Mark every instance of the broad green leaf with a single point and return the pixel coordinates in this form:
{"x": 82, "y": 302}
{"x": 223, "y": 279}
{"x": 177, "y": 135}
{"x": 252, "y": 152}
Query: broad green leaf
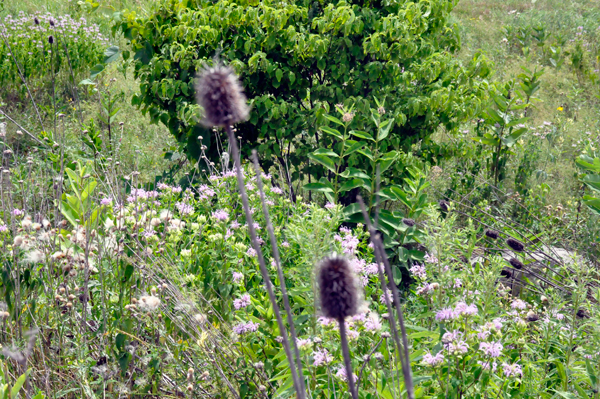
{"x": 384, "y": 129}
{"x": 513, "y": 137}
{"x": 111, "y": 54}
{"x": 333, "y": 132}
{"x": 351, "y": 184}
{"x": 353, "y": 172}
{"x": 335, "y": 120}
{"x": 592, "y": 202}
{"x": 18, "y": 385}
{"x": 588, "y": 163}
{"x": 591, "y": 374}
{"x": 96, "y": 70}
{"x": 362, "y": 135}
{"x": 321, "y": 187}
{"x": 325, "y": 151}
{"x": 324, "y": 160}
{"x": 366, "y": 152}
{"x": 352, "y": 147}
{"x": 592, "y": 181}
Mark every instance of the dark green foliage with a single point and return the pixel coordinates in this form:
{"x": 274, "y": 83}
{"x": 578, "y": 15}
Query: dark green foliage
{"x": 296, "y": 61}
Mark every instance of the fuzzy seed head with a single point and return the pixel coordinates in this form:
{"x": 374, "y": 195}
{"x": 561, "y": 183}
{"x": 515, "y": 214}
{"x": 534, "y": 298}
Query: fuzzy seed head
{"x": 338, "y": 286}
{"x": 444, "y": 205}
{"x": 515, "y": 245}
{"x": 531, "y": 316}
{"x": 408, "y": 222}
{"x": 51, "y": 39}
{"x": 517, "y": 264}
{"x": 493, "y": 234}
{"x": 506, "y": 273}
{"x": 219, "y": 92}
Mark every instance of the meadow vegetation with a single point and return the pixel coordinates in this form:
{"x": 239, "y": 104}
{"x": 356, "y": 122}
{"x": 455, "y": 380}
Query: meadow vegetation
{"x": 419, "y": 219}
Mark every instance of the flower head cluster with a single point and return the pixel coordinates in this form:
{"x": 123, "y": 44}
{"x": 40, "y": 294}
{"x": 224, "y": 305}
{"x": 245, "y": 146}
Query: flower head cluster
{"x": 419, "y": 271}
{"x": 184, "y": 208}
{"x": 341, "y": 374}
{"x": 321, "y": 356}
{"x": 429, "y": 258}
{"x": 491, "y": 349}
{"x": 518, "y": 304}
{"x": 465, "y": 310}
{"x": 237, "y": 277}
{"x": 348, "y": 240}
{"x": 221, "y": 215}
{"x": 433, "y": 360}
{"x": 303, "y": 343}
{"x": 512, "y": 370}
{"x": 242, "y": 302}
{"x": 243, "y": 328}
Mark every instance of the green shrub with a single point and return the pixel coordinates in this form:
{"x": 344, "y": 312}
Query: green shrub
{"x": 297, "y": 60}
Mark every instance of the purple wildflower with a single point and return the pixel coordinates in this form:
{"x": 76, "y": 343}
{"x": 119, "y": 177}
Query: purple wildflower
{"x": 341, "y": 374}
{"x": 518, "y": 304}
{"x": 243, "y": 328}
{"x": 184, "y": 208}
{"x": 237, "y": 277}
{"x": 105, "y": 201}
{"x": 251, "y": 252}
{"x": 242, "y": 302}
{"x": 321, "y": 357}
{"x": 419, "y": 271}
{"x": 221, "y": 214}
{"x": 445, "y": 314}
{"x": 431, "y": 360}
{"x": 492, "y": 349}
{"x": 458, "y": 347}
{"x": 466, "y": 310}
{"x": 512, "y": 370}
{"x": 276, "y": 190}
{"x": 329, "y": 205}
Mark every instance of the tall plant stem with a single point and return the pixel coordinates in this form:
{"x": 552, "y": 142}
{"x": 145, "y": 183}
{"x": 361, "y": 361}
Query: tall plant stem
{"x": 347, "y": 360}
{"x": 275, "y": 249}
{"x": 381, "y": 258}
{"x": 235, "y": 154}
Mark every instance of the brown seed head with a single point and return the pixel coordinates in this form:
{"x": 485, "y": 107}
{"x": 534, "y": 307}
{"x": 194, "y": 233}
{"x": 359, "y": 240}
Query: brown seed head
{"x": 338, "y": 288}
{"x": 516, "y": 246}
{"x": 219, "y": 92}
{"x": 514, "y": 262}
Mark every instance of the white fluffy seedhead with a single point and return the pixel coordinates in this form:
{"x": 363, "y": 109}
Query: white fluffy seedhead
{"x": 219, "y": 92}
